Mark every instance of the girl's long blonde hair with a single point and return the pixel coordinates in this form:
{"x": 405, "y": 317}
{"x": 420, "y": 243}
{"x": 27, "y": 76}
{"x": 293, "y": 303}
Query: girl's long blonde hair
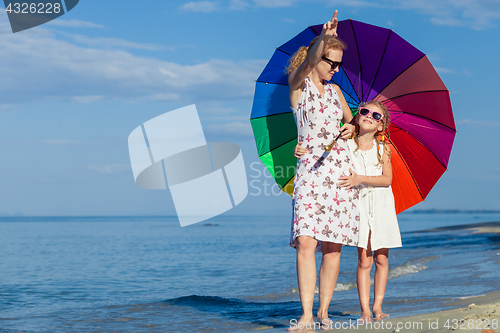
{"x": 332, "y": 43}
{"x": 384, "y": 133}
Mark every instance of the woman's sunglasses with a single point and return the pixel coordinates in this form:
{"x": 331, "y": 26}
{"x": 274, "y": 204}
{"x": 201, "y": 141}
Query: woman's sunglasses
{"x": 333, "y": 64}
{"x": 377, "y": 116}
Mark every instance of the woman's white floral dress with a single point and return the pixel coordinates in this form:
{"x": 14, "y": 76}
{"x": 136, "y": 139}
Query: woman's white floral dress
{"x": 322, "y": 210}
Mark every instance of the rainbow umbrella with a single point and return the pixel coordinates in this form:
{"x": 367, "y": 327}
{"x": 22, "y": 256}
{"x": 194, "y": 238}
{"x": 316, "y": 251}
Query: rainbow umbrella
{"x": 378, "y": 65}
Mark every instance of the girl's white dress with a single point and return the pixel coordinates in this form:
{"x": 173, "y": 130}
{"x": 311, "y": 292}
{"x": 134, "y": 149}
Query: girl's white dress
{"x": 377, "y": 209}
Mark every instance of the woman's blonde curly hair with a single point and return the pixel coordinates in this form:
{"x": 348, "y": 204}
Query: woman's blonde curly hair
{"x": 332, "y": 43}
{"x": 384, "y": 133}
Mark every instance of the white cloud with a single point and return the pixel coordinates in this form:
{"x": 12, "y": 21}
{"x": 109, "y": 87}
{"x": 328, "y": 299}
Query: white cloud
{"x": 476, "y": 14}
{"x": 110, "y": 169}
{"x": 362, "y": 4}
{"x": 75, "y": 24}
{"x": 41, "y": 67}
{"x": 238, "y": 5}
{"x": 5, "y": 107}
{"x": 442, "y": 70}
{"x": 242, "y": 128}
{"x": 471, "y": 122}
{"x": 200, "y": 6}
{"x": 162, "y": 97}
{"x": 114, "y": 42}
{"x": 88, "y": 99}
{"x": 450, "y": 21}
{"x": 60, "y": 142}
{"x": 273, "y": 3}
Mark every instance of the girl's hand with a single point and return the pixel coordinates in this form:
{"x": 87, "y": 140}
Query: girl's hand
{"x": 298, "y": 151}
{"x": 330, "y": 27}
{"x": 347, "y": 130}
{"x": 350, "y": 181}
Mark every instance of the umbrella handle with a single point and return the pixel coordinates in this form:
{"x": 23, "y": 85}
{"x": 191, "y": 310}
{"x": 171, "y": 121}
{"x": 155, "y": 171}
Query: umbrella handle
{"x": 334, "y": 142}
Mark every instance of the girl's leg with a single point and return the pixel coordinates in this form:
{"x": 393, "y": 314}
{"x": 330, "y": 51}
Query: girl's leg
{"x": 365, "y": 261}
{"x": 381, "y": 274}
{"x": 328, "y": 273}
{"x": 306, "y": 277}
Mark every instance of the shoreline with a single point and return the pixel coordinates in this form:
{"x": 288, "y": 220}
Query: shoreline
{"x": 473, "y": 315}
{"x": 480, "y": 228}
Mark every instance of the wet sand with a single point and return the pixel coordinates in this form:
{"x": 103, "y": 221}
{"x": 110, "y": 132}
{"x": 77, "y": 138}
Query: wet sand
{"x": 475, "y": 314}
{"x": 478, "y": 228}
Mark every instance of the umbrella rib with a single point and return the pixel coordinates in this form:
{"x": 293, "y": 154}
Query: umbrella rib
{"x": 417, "y": 115}
{"x": 359, "y": 59}
{"x": 284, "y": 143}
{"x": 287, "y": 182}
{"x": 271, "y": 115}
{"x": 388, "y": 84}
{"x": 381, "y": 59}
{"x": 406, "y": 165}
{"x": 415, "y": 92}
{"x": 356, "y": 99}
{"x": 421, "y": 143}
{"x": 350, "y": 82}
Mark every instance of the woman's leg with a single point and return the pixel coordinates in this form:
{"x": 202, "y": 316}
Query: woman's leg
{"x": 381, "y": 274}
{"x": 328, "y": 273}
{"x": 306, "y": 277}
{"x": 365, "y": 261}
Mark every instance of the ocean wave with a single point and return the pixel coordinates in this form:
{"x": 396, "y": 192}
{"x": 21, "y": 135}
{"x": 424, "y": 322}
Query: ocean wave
{"x": 255, "y": 312}
{"x": 196, "y": 300}
{"x": 405, "y": 269}
{"x": 410, "y": 267}
{"x": 338, "y": 287}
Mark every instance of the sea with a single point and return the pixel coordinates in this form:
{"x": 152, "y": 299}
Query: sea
{"x": 226, "y": 274}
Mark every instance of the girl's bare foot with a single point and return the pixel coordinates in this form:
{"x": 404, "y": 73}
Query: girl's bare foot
{"x": 365, "y": 318}
{"x": 305, "y": 323}
{"x": 379, "y": 315}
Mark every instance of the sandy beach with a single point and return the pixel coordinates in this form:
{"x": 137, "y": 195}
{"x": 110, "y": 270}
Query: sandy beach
{"x": 472, "y": 314}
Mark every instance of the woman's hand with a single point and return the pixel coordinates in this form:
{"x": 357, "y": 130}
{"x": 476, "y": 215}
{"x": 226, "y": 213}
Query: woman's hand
{"x": 350, "y": 181}
{"x": 330, "y": 27}
{"x": 298, "y": 151}
{"x": 347, "y": 131}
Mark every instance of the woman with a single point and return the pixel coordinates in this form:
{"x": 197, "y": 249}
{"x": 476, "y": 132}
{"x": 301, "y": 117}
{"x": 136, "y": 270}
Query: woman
{"x": 325, "y": 216}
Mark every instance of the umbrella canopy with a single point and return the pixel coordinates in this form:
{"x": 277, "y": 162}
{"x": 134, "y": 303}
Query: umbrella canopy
{"x": 378, "y": 65}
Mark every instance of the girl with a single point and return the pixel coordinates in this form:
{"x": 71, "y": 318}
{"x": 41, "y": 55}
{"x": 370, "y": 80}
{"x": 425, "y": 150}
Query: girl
{"x": 325, "y": 217}
{"x": 378, "y": 228}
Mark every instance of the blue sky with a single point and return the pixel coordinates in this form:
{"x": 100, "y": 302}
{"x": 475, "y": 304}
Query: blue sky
{"x": 72, "y": 90}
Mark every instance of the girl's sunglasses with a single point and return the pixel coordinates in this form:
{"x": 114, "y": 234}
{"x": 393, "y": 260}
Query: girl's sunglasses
{"x": 333, "y": 64}
{"x": 377, "y": 116}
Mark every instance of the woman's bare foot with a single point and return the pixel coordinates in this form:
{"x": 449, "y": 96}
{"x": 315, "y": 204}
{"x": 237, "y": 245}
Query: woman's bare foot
{"x": 365, "y": 318}
{"x": 379, "y": 315}
{"x": 323, "y": 320}
{"x": 304, "y": 323}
